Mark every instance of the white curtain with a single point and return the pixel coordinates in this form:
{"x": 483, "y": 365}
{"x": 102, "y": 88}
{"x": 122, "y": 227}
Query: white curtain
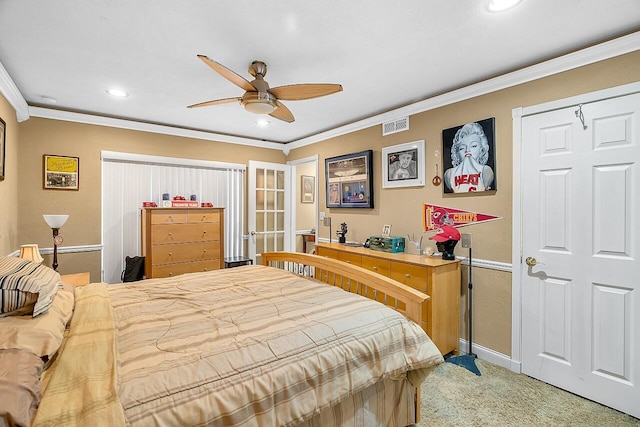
{"x": 129, "y": 179}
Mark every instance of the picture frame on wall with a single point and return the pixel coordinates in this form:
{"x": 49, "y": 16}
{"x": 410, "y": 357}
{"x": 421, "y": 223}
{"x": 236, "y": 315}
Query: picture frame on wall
{"x": 469, "y": 162}
{"x": 308, "y": 185}
{"x": 60, "y": 172}
{"x": 3, "y": 143}
{"x": 349, "y": 180}
{"x": 403, "y": 165}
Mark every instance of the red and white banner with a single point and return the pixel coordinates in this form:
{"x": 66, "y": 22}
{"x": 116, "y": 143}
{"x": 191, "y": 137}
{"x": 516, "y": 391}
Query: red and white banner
{"x": 435, "y": 216}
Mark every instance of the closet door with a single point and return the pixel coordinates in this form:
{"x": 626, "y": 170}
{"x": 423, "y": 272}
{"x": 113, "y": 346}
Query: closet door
{"x": 581, "y": 243}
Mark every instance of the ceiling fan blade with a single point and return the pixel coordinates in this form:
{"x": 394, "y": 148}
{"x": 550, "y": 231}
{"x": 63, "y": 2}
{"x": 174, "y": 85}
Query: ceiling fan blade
{"x": 282, "y": 113}
{"x": 214, "y": 102}
{"x": 304, "y": 91}
{"x": 228, "y": 74}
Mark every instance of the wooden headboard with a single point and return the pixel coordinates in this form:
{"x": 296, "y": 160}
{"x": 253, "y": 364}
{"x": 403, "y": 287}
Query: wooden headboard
{"x": 352, "y": 278}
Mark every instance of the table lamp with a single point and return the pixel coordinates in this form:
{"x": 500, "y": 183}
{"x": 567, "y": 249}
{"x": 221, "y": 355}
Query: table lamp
{"x": 56, "y": 222}
{"x": 31, "y": 252}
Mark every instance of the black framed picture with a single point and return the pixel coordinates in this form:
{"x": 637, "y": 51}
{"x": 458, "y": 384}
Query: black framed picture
{"x": 3, "y": 132}
{"x": 350, "y": 180}
{"x": 469, "y": 157}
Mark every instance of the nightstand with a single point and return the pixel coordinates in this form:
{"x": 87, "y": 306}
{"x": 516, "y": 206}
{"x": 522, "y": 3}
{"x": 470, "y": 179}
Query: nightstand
{"x": 76, "y": 279}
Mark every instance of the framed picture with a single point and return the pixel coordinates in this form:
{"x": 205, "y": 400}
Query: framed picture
{"x": 469, "y": 157}
{"x": 403, "y": 165}
{"x": 350, "y": 180}
{"x": 3, "y": 143}
{"x": 386, "y": 230}
{"x": 308, "y": 189}
{"x": 60, "y": 172}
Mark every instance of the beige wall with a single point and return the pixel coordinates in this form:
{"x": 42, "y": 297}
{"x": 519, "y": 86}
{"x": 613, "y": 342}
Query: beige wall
{"x": 9, "y": 241}
{"x": 44, "y": 136}
{"x": 402, "y": 208}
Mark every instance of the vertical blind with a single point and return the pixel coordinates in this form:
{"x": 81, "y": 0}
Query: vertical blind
{"x": 128, "y": 180}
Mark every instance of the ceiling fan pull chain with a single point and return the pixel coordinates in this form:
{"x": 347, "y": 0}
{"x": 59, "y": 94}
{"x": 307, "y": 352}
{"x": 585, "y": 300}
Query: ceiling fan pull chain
{"x": 580, "y": 115}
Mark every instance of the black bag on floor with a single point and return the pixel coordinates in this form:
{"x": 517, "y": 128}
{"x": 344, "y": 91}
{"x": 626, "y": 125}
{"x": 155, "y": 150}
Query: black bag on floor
{"x": 133, "y": 269}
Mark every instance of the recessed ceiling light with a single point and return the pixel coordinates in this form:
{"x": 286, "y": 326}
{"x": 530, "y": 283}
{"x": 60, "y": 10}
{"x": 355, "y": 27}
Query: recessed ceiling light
{"x": 502, "y": 5}
{"x": 263, "y": 122}
{"x": 117, "y": 92}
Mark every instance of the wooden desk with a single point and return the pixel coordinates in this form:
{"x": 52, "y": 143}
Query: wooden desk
{"x": 434, "y": 276}
{"x": 307, "y": 238}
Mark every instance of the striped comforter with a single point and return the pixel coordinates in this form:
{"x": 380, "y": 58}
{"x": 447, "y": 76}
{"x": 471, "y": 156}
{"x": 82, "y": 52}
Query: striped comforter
{"x": 253, "y": 346}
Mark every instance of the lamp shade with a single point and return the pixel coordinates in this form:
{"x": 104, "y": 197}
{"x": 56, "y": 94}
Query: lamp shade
{"x": 55, "y": 221}
{"x": 31, "y": 252}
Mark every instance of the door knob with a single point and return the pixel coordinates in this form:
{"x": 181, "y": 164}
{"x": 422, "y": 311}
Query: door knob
{"x": 253, "y": 233}
{"x": 531, "y": 261}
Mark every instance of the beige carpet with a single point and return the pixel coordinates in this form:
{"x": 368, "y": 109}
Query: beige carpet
{"x": 453, "y": 396}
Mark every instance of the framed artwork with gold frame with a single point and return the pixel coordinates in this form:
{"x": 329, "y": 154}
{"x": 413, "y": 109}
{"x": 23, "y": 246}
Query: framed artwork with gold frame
{"x": 60, "y": 172}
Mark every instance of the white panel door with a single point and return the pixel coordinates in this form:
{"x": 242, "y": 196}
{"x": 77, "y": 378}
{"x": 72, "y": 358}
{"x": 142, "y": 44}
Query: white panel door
{"x": 269, "y": 209}
{"x": 580, "y": 289}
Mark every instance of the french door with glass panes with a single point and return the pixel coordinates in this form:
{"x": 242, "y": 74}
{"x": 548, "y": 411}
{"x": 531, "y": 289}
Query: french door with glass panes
{"x": 268, "y": 204}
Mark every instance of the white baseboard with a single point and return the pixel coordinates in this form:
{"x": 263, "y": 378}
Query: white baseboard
{"x": 492, "y": 356}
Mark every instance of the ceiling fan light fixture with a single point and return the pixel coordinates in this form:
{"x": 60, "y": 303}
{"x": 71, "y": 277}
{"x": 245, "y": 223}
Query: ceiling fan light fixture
{"x": 259, "y": 102}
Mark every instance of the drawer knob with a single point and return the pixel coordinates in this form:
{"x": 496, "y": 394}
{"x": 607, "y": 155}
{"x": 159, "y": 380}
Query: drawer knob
{"x": 407, "y": 275}
{"x": 205, "y": 231}
{"x": 170, "y": 234}
{"x": 205, "y": 269}
{"x": 348, "y": 262}
{"x": 375, "y": 267}
{"x": 170, "y": 253}
{"x": 205, "y": 251}
{"x": 170, "y": 274}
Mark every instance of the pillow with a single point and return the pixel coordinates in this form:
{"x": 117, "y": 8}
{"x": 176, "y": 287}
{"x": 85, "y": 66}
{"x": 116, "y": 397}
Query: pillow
{"x": 41, "y": 335}
{"x": 24, "y": 282}
{"x": 19, "y": 386}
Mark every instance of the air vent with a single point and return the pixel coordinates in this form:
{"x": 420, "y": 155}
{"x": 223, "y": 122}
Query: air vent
{"x": 394, "y": 126}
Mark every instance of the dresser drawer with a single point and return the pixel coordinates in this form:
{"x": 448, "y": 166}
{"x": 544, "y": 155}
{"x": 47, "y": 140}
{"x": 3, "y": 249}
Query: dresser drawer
{"x": 411, "y": 275}
{"x": 183, "y": 233}
{"x": 378, "y": 265}
{"x": 172, "y": 217}
{"x": 183, "y": 252}
{"x": 350, "y": 258}
{"x": 326, "y": 252}
{"x": 195, "y": 217}
{"x": 169, "y": 270}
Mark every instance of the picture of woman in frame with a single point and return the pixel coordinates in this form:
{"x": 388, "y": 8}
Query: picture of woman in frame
{"x": 470, "y": 169}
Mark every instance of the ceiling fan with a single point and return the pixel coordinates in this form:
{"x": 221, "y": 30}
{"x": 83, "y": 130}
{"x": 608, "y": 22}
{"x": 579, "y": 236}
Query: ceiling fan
{"x": 259, "y": 98}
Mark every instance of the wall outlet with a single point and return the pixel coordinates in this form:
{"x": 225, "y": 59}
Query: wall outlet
{"x": 466, "y": 240}
{"x": 321, "y": 216}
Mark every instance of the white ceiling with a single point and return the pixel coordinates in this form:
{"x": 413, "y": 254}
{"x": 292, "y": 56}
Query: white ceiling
{"x": 385, "y": 54}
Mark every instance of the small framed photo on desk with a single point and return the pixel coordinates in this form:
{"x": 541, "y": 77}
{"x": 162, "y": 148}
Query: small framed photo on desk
{"x": 386, "y": 230}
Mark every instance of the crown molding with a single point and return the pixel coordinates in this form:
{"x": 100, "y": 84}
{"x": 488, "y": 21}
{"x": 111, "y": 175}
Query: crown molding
{"x": 590, "y": 55}
{"x": 48, "y": 113}
{"x": 11, "y": 93}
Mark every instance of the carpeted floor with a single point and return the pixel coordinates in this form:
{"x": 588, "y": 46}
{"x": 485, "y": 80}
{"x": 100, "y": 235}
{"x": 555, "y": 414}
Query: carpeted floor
{"x": 453, "y": 396}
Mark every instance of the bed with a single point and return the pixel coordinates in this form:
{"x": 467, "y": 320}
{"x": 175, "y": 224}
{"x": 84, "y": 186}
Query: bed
{"x": 291, "y": 342}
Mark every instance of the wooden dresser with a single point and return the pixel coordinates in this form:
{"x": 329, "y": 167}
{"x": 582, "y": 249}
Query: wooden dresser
{"x": 179, "y": 240}
{"x": 434, "y": 276}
